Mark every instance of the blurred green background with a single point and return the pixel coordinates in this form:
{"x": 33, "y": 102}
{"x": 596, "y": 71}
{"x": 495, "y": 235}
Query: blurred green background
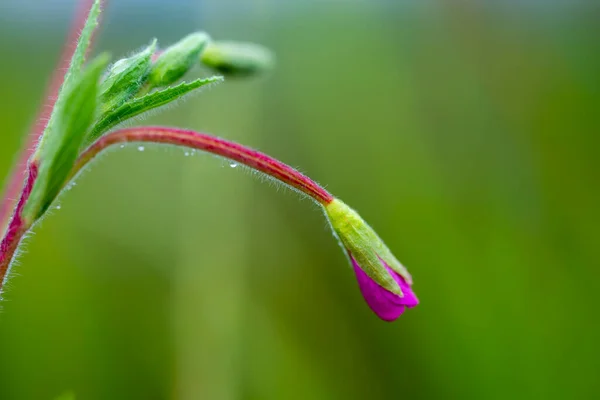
{"x": 467, "y": 133}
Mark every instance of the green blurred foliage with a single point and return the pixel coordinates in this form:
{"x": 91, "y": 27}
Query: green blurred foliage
{"x": 466, "y": 134}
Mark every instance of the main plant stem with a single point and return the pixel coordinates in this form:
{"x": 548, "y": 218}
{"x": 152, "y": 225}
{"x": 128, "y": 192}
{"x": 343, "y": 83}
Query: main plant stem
{"x": 18, "y": 226}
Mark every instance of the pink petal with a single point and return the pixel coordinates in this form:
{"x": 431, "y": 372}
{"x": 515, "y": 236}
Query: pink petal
{"x": 387, "y": 305}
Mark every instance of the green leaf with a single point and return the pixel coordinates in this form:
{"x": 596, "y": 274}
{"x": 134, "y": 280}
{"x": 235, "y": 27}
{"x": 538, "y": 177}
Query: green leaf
{"x": 177, "y": 59}
{"x": 237, "y": 58}
{"x": 75, "y": 66}
{"x": 148, "y": 102}
{"x": 125, "y": 78}
{"x": 84, "y": 41}
{"x": 64, "y": 139}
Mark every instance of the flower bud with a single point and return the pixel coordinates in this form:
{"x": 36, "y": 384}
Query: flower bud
{"x": 178, "y": 59}
{"x": 125, "y": 78}
{"x": 237, "y": 58}
{"x": 384, "y": 282}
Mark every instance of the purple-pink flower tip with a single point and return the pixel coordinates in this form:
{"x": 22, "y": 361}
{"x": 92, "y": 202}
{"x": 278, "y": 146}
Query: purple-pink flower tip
{"x": 387, "y": 305}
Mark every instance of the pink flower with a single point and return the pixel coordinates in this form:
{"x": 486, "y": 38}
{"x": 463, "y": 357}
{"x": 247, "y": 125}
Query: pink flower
{"x": 387, "y": 305}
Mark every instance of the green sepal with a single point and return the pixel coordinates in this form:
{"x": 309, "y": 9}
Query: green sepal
{"x": 125, "y": 78}
{"x": 361, "y": 241}
{"x": 237, "y": 58}
{"x": 177, "y": 59}
{"x": 63, "y": 139}
{"x": 77, "y": 61}
{"x": 145, "y": 103}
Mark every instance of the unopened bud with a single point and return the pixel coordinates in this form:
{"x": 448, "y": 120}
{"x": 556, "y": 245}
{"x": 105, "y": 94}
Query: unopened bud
{"x": 178, "y": 59}
{"x": 125, "y": 78}
{"x": 383, "y": 280}
{"x": 237, "y": 58}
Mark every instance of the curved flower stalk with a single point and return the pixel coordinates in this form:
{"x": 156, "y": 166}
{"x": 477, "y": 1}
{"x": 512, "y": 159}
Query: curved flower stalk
{"x": 94, "y": 99}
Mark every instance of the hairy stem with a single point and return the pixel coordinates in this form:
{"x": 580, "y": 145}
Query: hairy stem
{"x": 17, "y": 227}
{"x": 14, "y": 184}
{"x": 211, "y": 144}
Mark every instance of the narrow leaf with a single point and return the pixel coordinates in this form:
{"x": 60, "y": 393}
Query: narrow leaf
{"x": 84, "y": 41}
{"x": 148, "y": 102}
{"x": 75, "y": 66}
{"x": 60, "y": 151}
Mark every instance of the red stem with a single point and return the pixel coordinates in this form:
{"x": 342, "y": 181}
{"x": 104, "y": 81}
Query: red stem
{"x": 17, "y": 227}
{"x": 15, "y": 182}
{"x": 210, "y": 144}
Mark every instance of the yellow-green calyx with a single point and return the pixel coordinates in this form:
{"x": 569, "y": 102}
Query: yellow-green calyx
{"x": 363, "y": 244}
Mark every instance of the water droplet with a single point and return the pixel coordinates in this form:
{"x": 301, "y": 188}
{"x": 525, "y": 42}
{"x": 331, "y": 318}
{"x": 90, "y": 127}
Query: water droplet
{"x": 122, "y": 146}
{"x": 233, "y": 165}
{"x": 58, "y": 207}
{"x": 141, "y": 148}
{"x": 187, "y": 153}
